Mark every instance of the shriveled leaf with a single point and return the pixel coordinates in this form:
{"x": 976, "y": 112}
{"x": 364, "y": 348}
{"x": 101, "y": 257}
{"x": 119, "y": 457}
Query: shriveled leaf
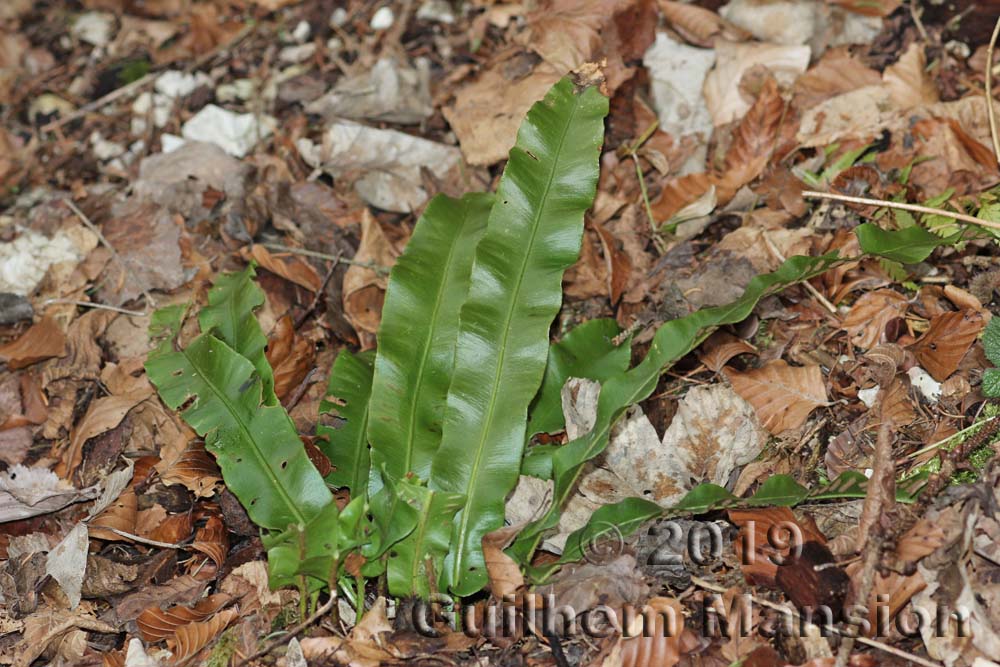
{"x": 698, "y": 25}
{"x": 416, "y": 340}
{"x": 189, "y": 639}
{"x": 720, "y": 348}
{"x": 156, "y": 624}
{"x": 67, "y": 563}
{"x": 212, "y": 540}
{"x": 289, "y": 355}
{"x": 946, "y": 341}
{"x": 866, "y": 321}
{"x": 27, "y": 492}
{"x": 291, "y": 268}
{"x": 782, "y": 395}
{"x": 347, "y": 394}
{"x": 43, "y": 340}
{"x": 588, "y": 351}
{"x": 515, "y": 290}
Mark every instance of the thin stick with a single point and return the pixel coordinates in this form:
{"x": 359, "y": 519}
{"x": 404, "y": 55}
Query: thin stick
{"x": 805, "y": 283}
{"x": 130, "y": 89}
{"x": 114, "y": 253}
{"x": 874, "y": 643}
{"x": 378, "y": 268}
{"x": 935, "y": 445}
{"x": 916, "y": 208}
{"x": 990, "y": 111}
{"x": 90, "y": 304}
{"x": 143, "y": 540}
{"x": 297, "y": 630}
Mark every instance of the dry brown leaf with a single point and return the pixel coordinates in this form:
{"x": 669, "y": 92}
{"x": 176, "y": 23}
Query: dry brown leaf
{"x": 290, "y": 355}
{"x": 907, "y": 80}
{"x": 189, "y": 639}
{"x": 772, "y": 532}
{"x": 659, "y": 646}
{"x": 44, "y": 629}
{"x": 212, "y": 540}
{"x": 504, "y": 573}
{"x": 698, "y": 25}
{"x": 179, "y": 590}
{"x": 722, "y": 85}
{"x": 619, "y": 266}
{"x": 678, "y": 193}
{"x": 43, "y": 340}
{"x": 156, "y": 624}
{"x": 836, "y": 73}
{"x": 155, "y": 524}
{"x": 364, "y": 647}
{"x": 720, "y": 348}
{"x": 290, "y": 267}
{"x": 195, "y": 469}
{"x": 753, "y": 141}
{"x": 866, "y": 321}
{"x": 120, "y": 515}
{"x": 782, "y": 395}
{"x": 103, "y": 415}
{"x": 364, "y": 288}
{"x": 949, "y": 337}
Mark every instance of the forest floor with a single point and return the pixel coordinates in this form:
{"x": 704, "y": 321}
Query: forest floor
{"x": 146, "y": 146}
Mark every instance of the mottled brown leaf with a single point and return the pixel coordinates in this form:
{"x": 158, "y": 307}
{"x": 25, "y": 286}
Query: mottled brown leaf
{"x": 290, "y": 355}
{"x": 782, "y": 395}
{"x": 43, "y": 340}
{"x": 866, "y": 321}
{"x": 720, "y": 348}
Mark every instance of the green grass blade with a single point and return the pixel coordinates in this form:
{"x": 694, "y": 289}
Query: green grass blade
{"x": 416, "y": 339}
{"x": 533, "y": 235}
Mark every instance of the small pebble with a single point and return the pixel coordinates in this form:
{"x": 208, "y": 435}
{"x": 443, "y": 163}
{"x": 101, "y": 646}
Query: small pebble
{"x": 382, "y": 19}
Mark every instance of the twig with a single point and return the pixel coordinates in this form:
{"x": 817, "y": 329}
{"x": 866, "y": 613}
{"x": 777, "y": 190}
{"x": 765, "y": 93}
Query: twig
{"x": 805, "y": 283}
{"x": 300, "y": 320}
{"x": 131, "y": 88}
{"x": 297, "y": 630}
{"x": 935, "y": 445}
{"x": 916, "y": 208}
{"x": 785, "y": 609}
{"x": 143, "y": 540}
{"x": 990, "y": 111}
{"x": 378, "y": 268}
{"x": 90, "y": 304}
{"x": 114, "y": 253}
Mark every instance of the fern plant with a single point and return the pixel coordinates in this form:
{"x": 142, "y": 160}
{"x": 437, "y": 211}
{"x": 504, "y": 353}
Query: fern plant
{"x": 435, "y": 421}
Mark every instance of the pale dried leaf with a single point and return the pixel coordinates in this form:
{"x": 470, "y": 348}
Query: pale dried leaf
{"x": 865, "y": 322}
{"x": 26, "y": 492}
{"x": 722, "y": 85}
{"x": 907, "y": 79}
{"x": 782, "y": 395}
{"x": 67, "y": 563}
{"x": 949, "y": 337}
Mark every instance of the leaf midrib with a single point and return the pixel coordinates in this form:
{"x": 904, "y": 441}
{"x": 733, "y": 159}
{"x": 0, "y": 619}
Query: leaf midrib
{"x": 206, "y": 379}
{"x": 515, "y": 293}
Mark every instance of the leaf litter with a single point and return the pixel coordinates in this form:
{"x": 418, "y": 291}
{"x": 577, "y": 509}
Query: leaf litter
{"x": 308, "y": 142}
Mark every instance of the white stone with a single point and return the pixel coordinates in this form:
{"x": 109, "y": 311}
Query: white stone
{"x": 382, "y": 19}
{"x": 296, "y": 54}
{"x": 174, "y": 83}
{"x": 94, "y": 28}
{"x": 301, "y": 32}
{"x": 436, "y": 10}
{"x": 867, "y": 396}
{"x": 234, "y": 133}
{"x": 925, "y": 384}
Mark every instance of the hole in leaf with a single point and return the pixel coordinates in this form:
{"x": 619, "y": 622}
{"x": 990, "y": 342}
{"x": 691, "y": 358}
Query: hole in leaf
{"x": 284, "y": 464}
{"x": 393, "y": 554}
{"x": 253, "y": 502}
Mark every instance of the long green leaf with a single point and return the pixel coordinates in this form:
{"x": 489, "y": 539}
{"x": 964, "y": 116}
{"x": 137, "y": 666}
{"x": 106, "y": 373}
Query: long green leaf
{"x": 533, "y": 235}
{"x": 416, "y": 339}
{"x": 230, "y": 315}
{"x": 347, "y": 393}
{"x": 672, "y": 341}
{"x": 258, "y": 450}
{"x": 587, "y": 351}
{"x": 907, "y": 246}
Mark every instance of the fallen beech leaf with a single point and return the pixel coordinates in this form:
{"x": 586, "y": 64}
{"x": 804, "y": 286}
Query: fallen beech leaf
{"x": 753, "y": 141}
{"x": 907, "y": 79}
{"x": 212, "y": 540}
{"x": 43, "y": 340}
{"x": 678, "y": 193}
{"x": 782, "y": 395}
{"x": 179, "y": 590}
{"x": 156, "y": 624}
{"x": 290, "y": 355}
{"x": 720, "y": 348}
{"x": 67, "y": 563}
{"x": 195, "y": 469}
{"x": 659, "y": 646}
{"x": 865, "y": 322}
{"x": 504, "y": 573}
{"x": 290, "y": 267}
{"x": 946, "y": 341}
{"x": 836, "y": 73}
{"x": 43, "y": 628}
{"x": 103, "y": 415}
{"x": 364, "y": 288}
{"x": 698, "y": 25}
{"x": 120, "y": 515}
{"x": 189, "y": 639}
{"x": 722, "y": 85}
{"x": 771, "y": 533}
{"x": 619, "y": 267}
{"x": 155, "y": 524}
{"x": 26, "y": 492}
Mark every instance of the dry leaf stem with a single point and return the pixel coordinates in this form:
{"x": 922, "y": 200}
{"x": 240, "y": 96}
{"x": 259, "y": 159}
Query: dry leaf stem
{"x": 788, "y": 609}
{"x": 916, "y": 208}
